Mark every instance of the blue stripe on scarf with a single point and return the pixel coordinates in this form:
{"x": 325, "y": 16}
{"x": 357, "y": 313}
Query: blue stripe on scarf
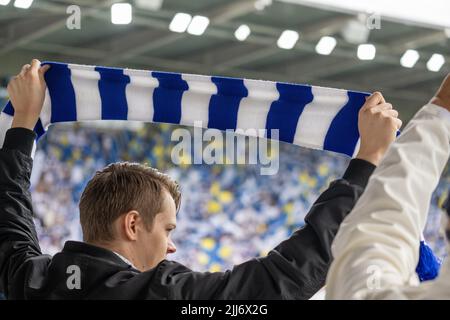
{"x": 285, "y": 112}
{"x": 62, "y": 94}
{"x": 224, "y": 106}
{"x": 39, "y": 129}
{"x": 343, "y": 134}
{"x": 112, "y": 86}
{"x": 167, "y": 97}
{"x": 9, "y": 109}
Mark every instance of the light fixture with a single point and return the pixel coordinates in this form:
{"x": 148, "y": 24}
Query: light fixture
{"x": 242, "y": 32}
{"x": 153, "y": 5}
{"x": 366, "y": 51}
{"x": 409, "y": 58}
{"x": 198, "y": 25}
{"x": 326, "y": 45}
{"x": 288, "y": 39}
{"x": 355, "y": 31}
{"x": 121, "y": 13}
{"x": 436, "y": 62}
{"x": 4, "y": 2}
{"x": 180, "y": 22}
{"x": 23, "y": 4}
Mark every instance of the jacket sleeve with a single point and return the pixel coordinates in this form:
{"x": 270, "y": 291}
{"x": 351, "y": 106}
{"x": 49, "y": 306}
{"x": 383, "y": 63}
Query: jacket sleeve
{"x": 295, "y": 269}
{"x": 376, "y": 250}
{"x": 18, "y": 239}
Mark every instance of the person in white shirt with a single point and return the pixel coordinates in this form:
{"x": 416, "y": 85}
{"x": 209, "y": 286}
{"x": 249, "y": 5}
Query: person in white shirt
{"x": 376, "y": 249}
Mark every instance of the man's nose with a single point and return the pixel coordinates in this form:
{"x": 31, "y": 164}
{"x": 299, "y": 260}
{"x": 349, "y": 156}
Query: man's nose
{"x": 171, "y": 248}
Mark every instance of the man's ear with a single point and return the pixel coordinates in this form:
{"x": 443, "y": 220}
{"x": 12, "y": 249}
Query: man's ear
{"x": 130, "y": 221}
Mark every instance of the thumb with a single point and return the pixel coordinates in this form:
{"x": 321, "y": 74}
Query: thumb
{"x": 43, "y": 70}
{"x": 375, "y": 99}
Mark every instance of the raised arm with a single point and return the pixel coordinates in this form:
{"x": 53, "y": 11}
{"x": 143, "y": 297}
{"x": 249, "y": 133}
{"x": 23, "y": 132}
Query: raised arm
{"x": 296, "y": 269}
{"x": 18, "y": 239}
{"x": 377, "y": 249}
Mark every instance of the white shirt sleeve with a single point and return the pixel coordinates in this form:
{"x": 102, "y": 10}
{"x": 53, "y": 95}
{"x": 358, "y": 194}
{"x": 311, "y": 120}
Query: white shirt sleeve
{"x": 376, "y": 250}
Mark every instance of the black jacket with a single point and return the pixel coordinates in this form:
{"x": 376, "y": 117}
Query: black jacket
{"x": 295, "y": 269}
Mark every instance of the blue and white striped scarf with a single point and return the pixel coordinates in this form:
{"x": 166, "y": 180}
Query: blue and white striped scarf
{"x": 308, "y": 116}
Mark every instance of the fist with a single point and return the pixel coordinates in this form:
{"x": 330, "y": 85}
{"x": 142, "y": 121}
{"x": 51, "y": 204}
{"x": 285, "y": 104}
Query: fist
{"x": 378, "y": 123}
{"x": 27, "y": 92}
{"x": 442, "y": 96}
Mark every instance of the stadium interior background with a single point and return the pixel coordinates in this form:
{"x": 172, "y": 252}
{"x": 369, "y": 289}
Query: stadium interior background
{"x": 229, "y": 213}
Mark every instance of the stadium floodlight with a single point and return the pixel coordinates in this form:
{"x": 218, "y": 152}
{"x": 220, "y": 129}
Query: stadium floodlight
{"x": 409, "y": 58}
{"x": 23, "y": 4}
{"x": 153, "y": 5}
{"x": 326, "y": 45}
{"x": 242, "y": 32}
{"x": 366, "y": 51}
{"x": 180, "y": 22}
{"x": 436, "y": 62}
{"x": 355, "y": 31}
{"x": 121, "y": 13}
{"x": 198, "y": 25}
{"x": 288, "y": 39}
{"x": 4, "y": 2}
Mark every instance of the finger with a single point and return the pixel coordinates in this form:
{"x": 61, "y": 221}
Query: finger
{"x": 43, "y": 69}
{"x": 391, "y": 113}
{"x": 380, "y": 108}
{"x": 384, "y": 106}
{"x": 398, "y": 123}
{"x": 375, "y": 99}
{"x": 35, "y": 65}
{"x": 24, "y": 69}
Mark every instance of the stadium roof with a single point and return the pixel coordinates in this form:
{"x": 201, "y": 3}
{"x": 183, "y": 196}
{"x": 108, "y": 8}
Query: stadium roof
{"x": 147, "y": 43}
